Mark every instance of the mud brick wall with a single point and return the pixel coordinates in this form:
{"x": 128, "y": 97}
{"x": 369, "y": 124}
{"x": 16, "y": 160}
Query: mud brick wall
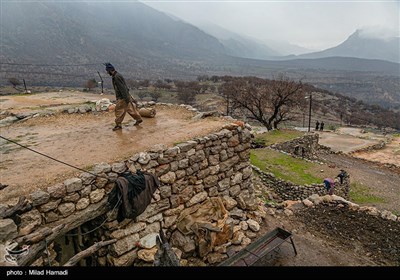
{"x": 290, "y": 191}
{"x": 190, "y": 173}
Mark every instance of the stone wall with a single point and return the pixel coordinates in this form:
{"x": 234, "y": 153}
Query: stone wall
{"x": 190, "y": 173}
{"x": 290, "y": 191}
{"x": 305, "y": 146}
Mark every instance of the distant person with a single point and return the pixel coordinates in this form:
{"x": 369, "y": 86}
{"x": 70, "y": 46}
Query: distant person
{"x": 329, "y": 185}
{"x": 342, "y": 175}
{"x": 125, "y": 102}
{"x": 317, "y": 125}
{"x": 322, "y": 126}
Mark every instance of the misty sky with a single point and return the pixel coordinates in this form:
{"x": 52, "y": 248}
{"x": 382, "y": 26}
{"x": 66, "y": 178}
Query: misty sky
{"x": 311, "y": 24}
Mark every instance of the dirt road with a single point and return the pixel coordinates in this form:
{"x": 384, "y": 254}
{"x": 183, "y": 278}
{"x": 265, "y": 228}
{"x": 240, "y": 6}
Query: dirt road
{"x": 344, "y": 143}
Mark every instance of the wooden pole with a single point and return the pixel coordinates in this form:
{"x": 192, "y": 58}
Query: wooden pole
{"x": 26, "y": 91}
{"x": 89, "y": 251}
{"x": 101, "y": 81}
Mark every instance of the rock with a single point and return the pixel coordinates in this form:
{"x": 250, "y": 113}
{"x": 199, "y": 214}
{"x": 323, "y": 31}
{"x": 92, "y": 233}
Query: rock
{"x": 288, "y": 212}
{"x": 307, "y": 203}
{"x": 158, "y": 217}
{"x": 244, "y": 225}
{"x": 147, "y": 255}
{"x": 253, "y": 225}
{"x": 124, "y": 245}
{"x": 73, "y": 184}
{"x": 234, "y": 191}
{"x": 148, "y": 241}
{"x": 184, "y": 243}
{"x": 237, "y": 214}
{"x": 96, "y": 195}
{"x": 73, "y": 197}
{"x": 246, "y": 241}
{"x": 129, "y": 230}
{"x": 169, "y": 221}
{"x": 168, "y": 178}
{"x": 29, "y": 222}
{"x": 126, "y": 259}
{"x": 237, "y": 237}
{"x": 82, "y": 203}
{"x": 144, "y": 158}
{"x": 39, "y": 198}
{"x": 200, "y": 197}
{"x": 57, "y": 191}
{"x": 251, "y": 234}
{"x": 165, "y": 191}
{"x": 216, "y": 258}
{"x": 66, "y": 209}
{"x": 49, "y": 206}
{"x": 8, "y": 230}
{"x": 229, "y": 202}
{"x": 51, "y": 217}
{"x": 119, "y": 167}
{"x": 151, "y": 228}
{"x": 101, "y": 168}
{"x": 174, "y": 211}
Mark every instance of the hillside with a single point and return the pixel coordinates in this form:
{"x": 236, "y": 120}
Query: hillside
{"x": 65, "y": 43}
{"x": 360, "y": 45}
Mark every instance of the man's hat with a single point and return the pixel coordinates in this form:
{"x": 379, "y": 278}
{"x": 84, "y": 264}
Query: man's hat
{"x": 109, "y": 66}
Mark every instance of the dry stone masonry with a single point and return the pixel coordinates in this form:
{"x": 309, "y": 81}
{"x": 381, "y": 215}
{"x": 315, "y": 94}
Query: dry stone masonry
{"x": 290, "y": 191}
{"x": 214, "y": 168}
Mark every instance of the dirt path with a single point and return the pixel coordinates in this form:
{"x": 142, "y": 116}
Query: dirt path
{"x": 380, "y": 181}
{"x": 344, "y": 143}
{"x": 84, "y": 140}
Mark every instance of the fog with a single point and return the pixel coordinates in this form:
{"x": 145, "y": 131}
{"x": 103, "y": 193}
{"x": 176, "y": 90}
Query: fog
{"x": 314, "y": 25}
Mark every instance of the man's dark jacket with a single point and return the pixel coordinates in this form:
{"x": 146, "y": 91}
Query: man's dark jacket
{"x": 120, "y": 87}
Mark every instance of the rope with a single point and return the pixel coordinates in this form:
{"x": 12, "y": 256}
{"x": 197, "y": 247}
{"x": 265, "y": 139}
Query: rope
{"x": 32, "y": 150}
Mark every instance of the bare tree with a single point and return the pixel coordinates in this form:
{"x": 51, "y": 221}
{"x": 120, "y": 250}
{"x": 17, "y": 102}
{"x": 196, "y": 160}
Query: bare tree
{"x": 155, "y": 95}
{"x": 91, "y": 83}
{"x": 270, "y": 102}
{"x": 187, "y": 91}
{"x": 14, "y": 81}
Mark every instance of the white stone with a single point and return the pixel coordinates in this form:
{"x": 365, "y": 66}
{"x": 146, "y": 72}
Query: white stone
{"x": 307, "y": 203}
{"x": 253, "y": 225}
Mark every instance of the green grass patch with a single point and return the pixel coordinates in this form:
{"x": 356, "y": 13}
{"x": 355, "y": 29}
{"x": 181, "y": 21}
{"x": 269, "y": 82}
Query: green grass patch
{"x": 361, "y": 194}
{"x": 286, "y": 167}
{"x": 278, "y": 136}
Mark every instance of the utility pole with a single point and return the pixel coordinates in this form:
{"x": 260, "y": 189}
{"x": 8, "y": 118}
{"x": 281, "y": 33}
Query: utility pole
{"x": 341, "y": 118}
{"x": 304, "y": 118}
{"x": 101, "y": 81}
{"x": 309, "y": 113}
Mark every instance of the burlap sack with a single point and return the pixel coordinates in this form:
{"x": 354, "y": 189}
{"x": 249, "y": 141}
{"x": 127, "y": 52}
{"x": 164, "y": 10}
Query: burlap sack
{"x": 147, "y": 112}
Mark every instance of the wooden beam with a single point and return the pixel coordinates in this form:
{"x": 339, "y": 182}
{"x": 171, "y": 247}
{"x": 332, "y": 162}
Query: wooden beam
{"x": 63, "y": 226}
{"x": 34, "y": 237}
{"x": 21, "y": 206}
{"x": 89, "y": 251}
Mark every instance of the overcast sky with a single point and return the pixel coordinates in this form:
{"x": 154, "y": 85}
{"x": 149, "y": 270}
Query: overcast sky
{"x": 312, "y": 24}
